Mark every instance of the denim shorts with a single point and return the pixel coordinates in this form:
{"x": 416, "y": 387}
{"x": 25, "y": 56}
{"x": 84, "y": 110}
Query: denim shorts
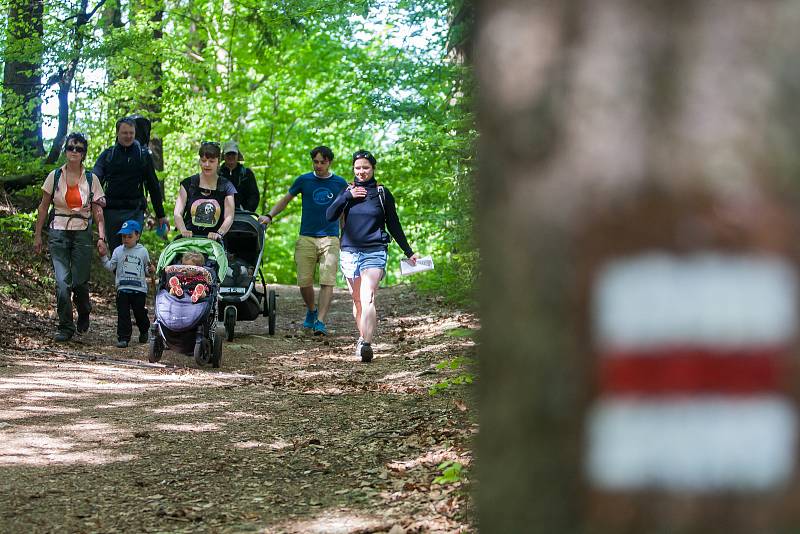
{"x": 353, "y": 263}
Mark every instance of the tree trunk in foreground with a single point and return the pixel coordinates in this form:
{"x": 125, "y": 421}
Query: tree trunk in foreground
{"x": 614, "y": 134}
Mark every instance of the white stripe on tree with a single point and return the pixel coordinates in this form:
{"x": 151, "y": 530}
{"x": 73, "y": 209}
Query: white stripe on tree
{"x": 698, "y": 444}
{"x": 703, "y": 300}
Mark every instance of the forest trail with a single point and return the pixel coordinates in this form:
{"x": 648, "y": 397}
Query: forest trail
{"x": 292, "y": 434}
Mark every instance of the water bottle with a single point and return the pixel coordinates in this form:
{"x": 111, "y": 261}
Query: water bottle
{"x": 161, "y": 231}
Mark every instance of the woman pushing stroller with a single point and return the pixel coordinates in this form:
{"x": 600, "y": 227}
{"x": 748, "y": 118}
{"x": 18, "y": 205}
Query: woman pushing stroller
{"x": 205, "y": 203}
{"x": 203, "y": 213}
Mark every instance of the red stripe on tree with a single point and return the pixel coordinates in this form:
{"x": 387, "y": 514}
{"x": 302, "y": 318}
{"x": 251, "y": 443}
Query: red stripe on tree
{"x": 693, "y": 371}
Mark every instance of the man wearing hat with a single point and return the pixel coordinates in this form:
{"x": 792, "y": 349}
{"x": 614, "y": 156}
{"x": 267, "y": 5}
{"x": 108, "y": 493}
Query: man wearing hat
{"x": 242, "y": 178}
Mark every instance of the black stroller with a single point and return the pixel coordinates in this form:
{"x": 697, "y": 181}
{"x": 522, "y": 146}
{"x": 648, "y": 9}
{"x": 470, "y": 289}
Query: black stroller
{"x": 239, "y": 297}
{"x": 182, "y": 325}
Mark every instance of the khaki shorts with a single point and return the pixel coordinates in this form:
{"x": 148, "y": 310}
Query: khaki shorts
{"x": 308, "y": 252}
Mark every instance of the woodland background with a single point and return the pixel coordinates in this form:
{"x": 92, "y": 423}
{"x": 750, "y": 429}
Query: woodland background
{"x": 587, "y": 109}
{"x": 281, "y": 77}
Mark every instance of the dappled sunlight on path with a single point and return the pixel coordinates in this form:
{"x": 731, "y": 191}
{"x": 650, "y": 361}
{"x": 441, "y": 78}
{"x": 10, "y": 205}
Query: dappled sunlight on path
{"x": 292, "y": 434}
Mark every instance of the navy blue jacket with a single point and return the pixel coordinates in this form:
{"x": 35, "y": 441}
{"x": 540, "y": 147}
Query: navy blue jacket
{"x": 366, "y": 222}
{"x": 123, "y": 171}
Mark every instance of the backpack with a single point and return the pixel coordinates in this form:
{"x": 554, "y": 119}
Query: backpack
{"x": 52, "y": 214}
{"x": 382, "y": 198}
{"x": 142, "y": 134}
{"x": 143, "y": 150}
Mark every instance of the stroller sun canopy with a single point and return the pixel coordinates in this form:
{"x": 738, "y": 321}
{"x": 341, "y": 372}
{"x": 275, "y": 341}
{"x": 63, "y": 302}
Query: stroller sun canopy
{"x": 210, "y": 248}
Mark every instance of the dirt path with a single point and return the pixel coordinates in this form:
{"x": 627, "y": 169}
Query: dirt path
{"x": 291, "y": 434}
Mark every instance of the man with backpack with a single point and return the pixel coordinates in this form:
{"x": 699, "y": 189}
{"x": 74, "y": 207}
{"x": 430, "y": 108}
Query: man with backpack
{"x": 318, "y": 243}
{"x": 125, "y": 170}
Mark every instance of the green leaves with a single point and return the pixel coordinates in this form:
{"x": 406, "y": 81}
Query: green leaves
{"x": 282, "y": 78}
{"x": 460, "y": 332}
{"x": 463, "y": 379}
{"x": 451, "y": 472}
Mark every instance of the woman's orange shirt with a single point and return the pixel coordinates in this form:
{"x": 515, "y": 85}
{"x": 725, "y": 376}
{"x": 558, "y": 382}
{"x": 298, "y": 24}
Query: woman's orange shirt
{"x": 73, "y": 197}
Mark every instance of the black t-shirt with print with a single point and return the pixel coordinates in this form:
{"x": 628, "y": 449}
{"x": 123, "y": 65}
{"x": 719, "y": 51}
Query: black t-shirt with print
{"x": 205, "y": 208}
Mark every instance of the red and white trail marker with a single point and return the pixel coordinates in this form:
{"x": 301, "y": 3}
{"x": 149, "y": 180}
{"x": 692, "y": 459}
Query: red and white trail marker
{"x": 693, "y": 351}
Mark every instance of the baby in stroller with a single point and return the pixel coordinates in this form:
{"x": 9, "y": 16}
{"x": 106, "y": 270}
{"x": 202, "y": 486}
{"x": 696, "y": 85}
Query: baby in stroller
{"x": 188, "y": 325}
{"x": 189, "y": 275}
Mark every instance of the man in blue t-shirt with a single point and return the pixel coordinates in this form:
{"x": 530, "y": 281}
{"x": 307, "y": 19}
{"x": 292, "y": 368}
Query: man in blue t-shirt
{"x": 318, "y": 243}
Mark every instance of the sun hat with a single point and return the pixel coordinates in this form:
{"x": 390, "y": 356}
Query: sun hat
{"x": 232, "y": 146}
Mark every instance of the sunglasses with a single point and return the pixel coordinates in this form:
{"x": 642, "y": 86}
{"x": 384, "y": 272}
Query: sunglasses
{"x": 212, "y": 143}
{"x": 364, "y": 154}
{"x": 75, "y": 148}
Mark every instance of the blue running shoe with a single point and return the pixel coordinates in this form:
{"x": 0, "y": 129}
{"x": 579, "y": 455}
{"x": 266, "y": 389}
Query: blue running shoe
{"x": 319, "y": 328}
{"x": 311, "y": 319}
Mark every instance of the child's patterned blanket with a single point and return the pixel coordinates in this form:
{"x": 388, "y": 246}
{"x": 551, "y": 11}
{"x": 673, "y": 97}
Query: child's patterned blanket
{"x": 189, "y": 275}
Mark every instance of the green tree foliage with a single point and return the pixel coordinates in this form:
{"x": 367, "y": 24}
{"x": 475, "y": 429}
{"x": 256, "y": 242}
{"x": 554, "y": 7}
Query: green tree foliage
{"x": 20, "y": 113}
{"x": 281, "y": 78}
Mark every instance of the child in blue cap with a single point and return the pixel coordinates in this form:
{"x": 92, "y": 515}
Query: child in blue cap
{"x": 131, "y": 263}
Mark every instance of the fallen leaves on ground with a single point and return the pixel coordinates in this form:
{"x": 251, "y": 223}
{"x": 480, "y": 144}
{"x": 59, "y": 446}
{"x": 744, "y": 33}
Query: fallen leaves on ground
{"x": 291, "y": 434}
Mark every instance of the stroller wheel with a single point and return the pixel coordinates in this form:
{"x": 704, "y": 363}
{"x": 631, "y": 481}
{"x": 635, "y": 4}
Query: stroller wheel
{"x": 230, "y": 321}
{"x": 201, "y": 353}
{"x": 155, "y": 346}
{"x": 216, "y": 356}
{"x": 272, "y": 311}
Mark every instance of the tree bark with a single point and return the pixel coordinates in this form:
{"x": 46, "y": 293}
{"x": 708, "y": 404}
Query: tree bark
{"x": 66, "y": 75}
{"x": 22, "y": 86}
{"x": 589, "y": 110}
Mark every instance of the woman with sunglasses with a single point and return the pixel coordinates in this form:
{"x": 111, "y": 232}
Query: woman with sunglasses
{"x": 205, "y": 202}
{"x": 367, "y": 210}
{"x": 77, "y": 199}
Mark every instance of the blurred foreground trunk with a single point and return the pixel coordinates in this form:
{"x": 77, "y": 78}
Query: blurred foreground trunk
{"x": 628, "y": 130}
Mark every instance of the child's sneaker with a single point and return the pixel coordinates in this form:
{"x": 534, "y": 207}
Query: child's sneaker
{"x": 82, "y": 326}
{"x": 311, "y": 319}
{"x": 62, "y": 337}
{"x": 366, "y": 352}
{"x": 319, "y": 328}
{"x": 121, "y": 344}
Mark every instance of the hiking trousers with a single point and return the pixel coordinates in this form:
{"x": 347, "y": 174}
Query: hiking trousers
{"x": 71, "y": 251}
{"x": 126, "y": 301}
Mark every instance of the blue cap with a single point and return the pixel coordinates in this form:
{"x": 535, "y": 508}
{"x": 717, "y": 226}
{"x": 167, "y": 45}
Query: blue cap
{"x": 128, "y": 227}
